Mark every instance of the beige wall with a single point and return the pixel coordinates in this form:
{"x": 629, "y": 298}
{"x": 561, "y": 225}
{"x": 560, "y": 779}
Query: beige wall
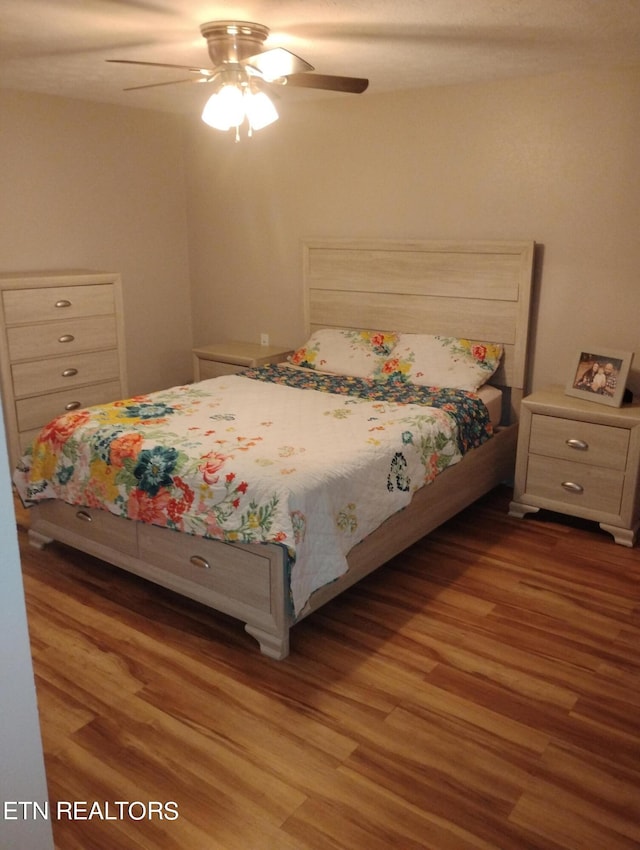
{"x": 102, "y": 187}
{"x": 555, "y": 159}
{"x": 207, "y": 232}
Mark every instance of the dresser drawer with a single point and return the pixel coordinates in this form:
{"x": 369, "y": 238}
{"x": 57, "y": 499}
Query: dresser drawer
{"x": 25, "y": 439}
{"x": 64, "y": 372}
{"x": 52, "y": 339}
{"x": 580, "y": 442}
{"x": 24, "y": 306}
{"x": 596, "y": 488}
{"x": 36, "y": 411}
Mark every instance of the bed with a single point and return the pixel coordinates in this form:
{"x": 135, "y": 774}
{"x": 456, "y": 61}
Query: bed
{"x": 477, "y": 291}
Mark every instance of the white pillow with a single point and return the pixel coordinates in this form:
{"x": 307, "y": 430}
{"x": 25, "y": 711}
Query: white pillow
{"x": 441, "y": 361}
{"x": 346, "y": 352}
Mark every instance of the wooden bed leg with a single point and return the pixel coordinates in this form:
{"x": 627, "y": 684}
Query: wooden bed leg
{"x": 273, "y": 646}
{"x": 37, "y": 540}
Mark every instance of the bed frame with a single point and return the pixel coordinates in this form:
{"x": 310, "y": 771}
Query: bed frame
{"x": 477, "y": 290}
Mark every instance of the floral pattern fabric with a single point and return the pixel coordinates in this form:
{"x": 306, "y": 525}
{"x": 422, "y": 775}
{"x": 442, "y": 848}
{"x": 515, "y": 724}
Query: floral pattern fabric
{"x": 424, "y": 359}
{"x": 345, "y": 352}
{"x": 440, "y": 361}
{"x": 312, "y": 462}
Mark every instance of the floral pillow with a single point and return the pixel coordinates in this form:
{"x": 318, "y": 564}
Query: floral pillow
{"x": 346, "y": 352}
{"x": 441, "y": 361}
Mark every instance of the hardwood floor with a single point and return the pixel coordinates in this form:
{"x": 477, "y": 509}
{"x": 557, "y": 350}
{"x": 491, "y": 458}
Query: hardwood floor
{"x": 480, "y": 692}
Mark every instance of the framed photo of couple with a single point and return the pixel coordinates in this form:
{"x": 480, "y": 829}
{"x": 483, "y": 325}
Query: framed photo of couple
{"x": 600, "y": 375}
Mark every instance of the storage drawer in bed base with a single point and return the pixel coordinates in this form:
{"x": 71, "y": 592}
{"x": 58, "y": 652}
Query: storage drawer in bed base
{"x": 244, "y": 581}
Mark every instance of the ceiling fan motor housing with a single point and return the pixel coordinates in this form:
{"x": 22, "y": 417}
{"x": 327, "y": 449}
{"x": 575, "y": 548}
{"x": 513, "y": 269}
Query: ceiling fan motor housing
{"x": 233, "y": 41}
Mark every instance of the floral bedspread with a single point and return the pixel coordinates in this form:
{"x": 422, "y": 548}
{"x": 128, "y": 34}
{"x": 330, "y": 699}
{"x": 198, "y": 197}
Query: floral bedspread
{"x": 313, "y": 462}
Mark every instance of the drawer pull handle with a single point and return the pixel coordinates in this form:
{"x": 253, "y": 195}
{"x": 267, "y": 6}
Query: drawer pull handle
{"x": 85, "y": 516}
{"x": 572, "y": 487}
{"x": 73, "y": 405}
{"x": 578, "y": 444}
{"x": 66, "y": 338}
{"x": 69, "y": 373}
{"x": 202, "y": 563}
{"x": 63, "y": 303}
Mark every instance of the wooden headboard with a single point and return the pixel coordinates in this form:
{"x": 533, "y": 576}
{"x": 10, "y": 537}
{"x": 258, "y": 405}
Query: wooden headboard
{"x": 474, "y": 290}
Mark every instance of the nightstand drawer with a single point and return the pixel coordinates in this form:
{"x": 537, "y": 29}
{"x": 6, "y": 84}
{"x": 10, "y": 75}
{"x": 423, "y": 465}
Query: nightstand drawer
{"x": 577, "y": 485}
{"x": 229, "y": 358}
{"x": 211, "y": 369}
{"x": 579, "y": 442}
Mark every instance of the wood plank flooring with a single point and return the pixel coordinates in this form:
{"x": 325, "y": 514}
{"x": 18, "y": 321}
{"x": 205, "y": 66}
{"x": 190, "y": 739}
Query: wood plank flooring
{"x": 480, "y": 692}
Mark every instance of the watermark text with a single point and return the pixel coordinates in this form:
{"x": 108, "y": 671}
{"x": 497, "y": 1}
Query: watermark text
{"x": 134, "y": 810}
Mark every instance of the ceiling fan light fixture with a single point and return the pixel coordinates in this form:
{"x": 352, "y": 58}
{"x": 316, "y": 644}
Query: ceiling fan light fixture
{"x": 232, "y": 103}
{"x": 259, "y": 110}
{"x": 225, "y": 108}
{"x": 241, "y": 70}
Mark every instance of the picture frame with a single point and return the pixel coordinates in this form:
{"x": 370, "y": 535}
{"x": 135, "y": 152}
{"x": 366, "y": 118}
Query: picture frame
{"x": 599, "y": 375}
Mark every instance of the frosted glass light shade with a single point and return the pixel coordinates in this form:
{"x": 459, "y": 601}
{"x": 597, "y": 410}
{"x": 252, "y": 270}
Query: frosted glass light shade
{"x": 229, "y": 106}
{"x": 260, "y": 110}
{"x": 224, "y": 109}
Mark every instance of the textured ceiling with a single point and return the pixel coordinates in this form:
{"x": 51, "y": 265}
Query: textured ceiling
{"x": 60, "y": 47}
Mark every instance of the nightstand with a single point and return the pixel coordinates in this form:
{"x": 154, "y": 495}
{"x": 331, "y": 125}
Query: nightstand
{"x": 227, "y": 358}
{"x": 579, "y": 458}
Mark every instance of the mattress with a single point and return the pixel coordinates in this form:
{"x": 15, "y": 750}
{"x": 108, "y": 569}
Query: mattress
{"x": 492, "y": 399}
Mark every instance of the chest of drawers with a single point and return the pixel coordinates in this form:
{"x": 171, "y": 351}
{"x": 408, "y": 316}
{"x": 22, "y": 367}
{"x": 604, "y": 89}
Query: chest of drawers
{"x": 61, "y": 346}
{"x": 579, "y": 458}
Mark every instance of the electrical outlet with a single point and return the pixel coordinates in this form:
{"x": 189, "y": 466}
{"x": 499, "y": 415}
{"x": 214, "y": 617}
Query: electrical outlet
{"x": 264, "y": 339}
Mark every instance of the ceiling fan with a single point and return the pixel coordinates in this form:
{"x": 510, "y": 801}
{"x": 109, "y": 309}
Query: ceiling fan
{"x": 243, "y": 72}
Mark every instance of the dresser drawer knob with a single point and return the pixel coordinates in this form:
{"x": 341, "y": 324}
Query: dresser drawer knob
{"x": 572, "y": 487}
{"x": 85, "y": 516}
{"x": 69, "y": 373}
{"x": 580, "y": 445}
{"x": 63, "y": 303}
{"x": 66, "y": 338}
{"x": 202, "y": 563}
{"x": 73, "y": 405}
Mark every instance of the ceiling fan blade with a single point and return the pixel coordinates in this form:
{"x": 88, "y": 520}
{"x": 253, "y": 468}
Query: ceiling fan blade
{"x": 168, "y": 83}
{"x": 277, "y": 62}
{"x": 205, "y": 71}
{"x": 353, "y": 85}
